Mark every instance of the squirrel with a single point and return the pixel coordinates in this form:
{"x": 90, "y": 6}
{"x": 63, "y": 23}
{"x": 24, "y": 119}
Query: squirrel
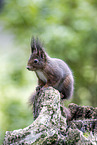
{"x": 50, "y": 71}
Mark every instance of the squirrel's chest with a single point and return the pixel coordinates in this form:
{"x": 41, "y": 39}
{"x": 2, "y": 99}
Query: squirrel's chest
{"x": 41, "y": 75}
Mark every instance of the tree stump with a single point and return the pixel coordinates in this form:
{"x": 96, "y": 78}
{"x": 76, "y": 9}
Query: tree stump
{"x": 50, "y": 126}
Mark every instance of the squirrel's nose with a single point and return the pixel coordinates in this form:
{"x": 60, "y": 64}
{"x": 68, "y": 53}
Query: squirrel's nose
{"x": 28, "y": 67}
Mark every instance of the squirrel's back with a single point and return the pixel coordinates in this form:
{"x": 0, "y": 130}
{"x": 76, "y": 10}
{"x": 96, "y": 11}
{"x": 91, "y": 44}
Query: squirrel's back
{"x": 60, "y": 66}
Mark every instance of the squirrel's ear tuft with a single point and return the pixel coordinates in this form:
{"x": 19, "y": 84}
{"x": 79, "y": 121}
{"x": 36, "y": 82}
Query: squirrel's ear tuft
{"x": 33, "y": 45}
{"x": 36, "y": 45}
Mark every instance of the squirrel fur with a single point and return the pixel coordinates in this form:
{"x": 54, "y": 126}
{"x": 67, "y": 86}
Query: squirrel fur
{"x": 50, "y": 71}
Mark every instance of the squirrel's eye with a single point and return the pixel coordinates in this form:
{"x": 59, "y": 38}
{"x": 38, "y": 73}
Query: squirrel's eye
{"x": 35, "y": 60}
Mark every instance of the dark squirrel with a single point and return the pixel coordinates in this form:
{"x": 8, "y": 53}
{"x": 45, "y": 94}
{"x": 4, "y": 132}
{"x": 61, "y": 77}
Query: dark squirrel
{"x": 50, "y": 71}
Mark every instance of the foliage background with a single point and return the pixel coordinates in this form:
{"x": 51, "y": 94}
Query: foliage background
{"x": 68, "y": 30}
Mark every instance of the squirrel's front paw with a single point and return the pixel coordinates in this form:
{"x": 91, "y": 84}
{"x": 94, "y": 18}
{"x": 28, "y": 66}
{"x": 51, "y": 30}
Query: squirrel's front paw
{"x": 45, "y": 86}
{"x": 38, "y": 88}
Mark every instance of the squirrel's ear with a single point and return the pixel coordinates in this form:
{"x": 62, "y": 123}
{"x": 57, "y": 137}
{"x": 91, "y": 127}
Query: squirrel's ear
{"x": 43, "y": 55}
{"x": 40, "y": 50}
{"x": 33, "y": 45}
{"x": 36, "y": 47}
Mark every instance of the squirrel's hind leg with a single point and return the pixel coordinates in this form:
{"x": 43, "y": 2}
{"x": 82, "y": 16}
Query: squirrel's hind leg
{"x": 67, "y": 88}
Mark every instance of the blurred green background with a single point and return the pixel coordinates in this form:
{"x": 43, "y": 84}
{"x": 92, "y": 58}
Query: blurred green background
{"x": 68, "y": 30}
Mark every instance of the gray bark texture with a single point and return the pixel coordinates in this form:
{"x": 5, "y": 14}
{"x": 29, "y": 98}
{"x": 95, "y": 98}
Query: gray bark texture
{"x": 52, "y": 126}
